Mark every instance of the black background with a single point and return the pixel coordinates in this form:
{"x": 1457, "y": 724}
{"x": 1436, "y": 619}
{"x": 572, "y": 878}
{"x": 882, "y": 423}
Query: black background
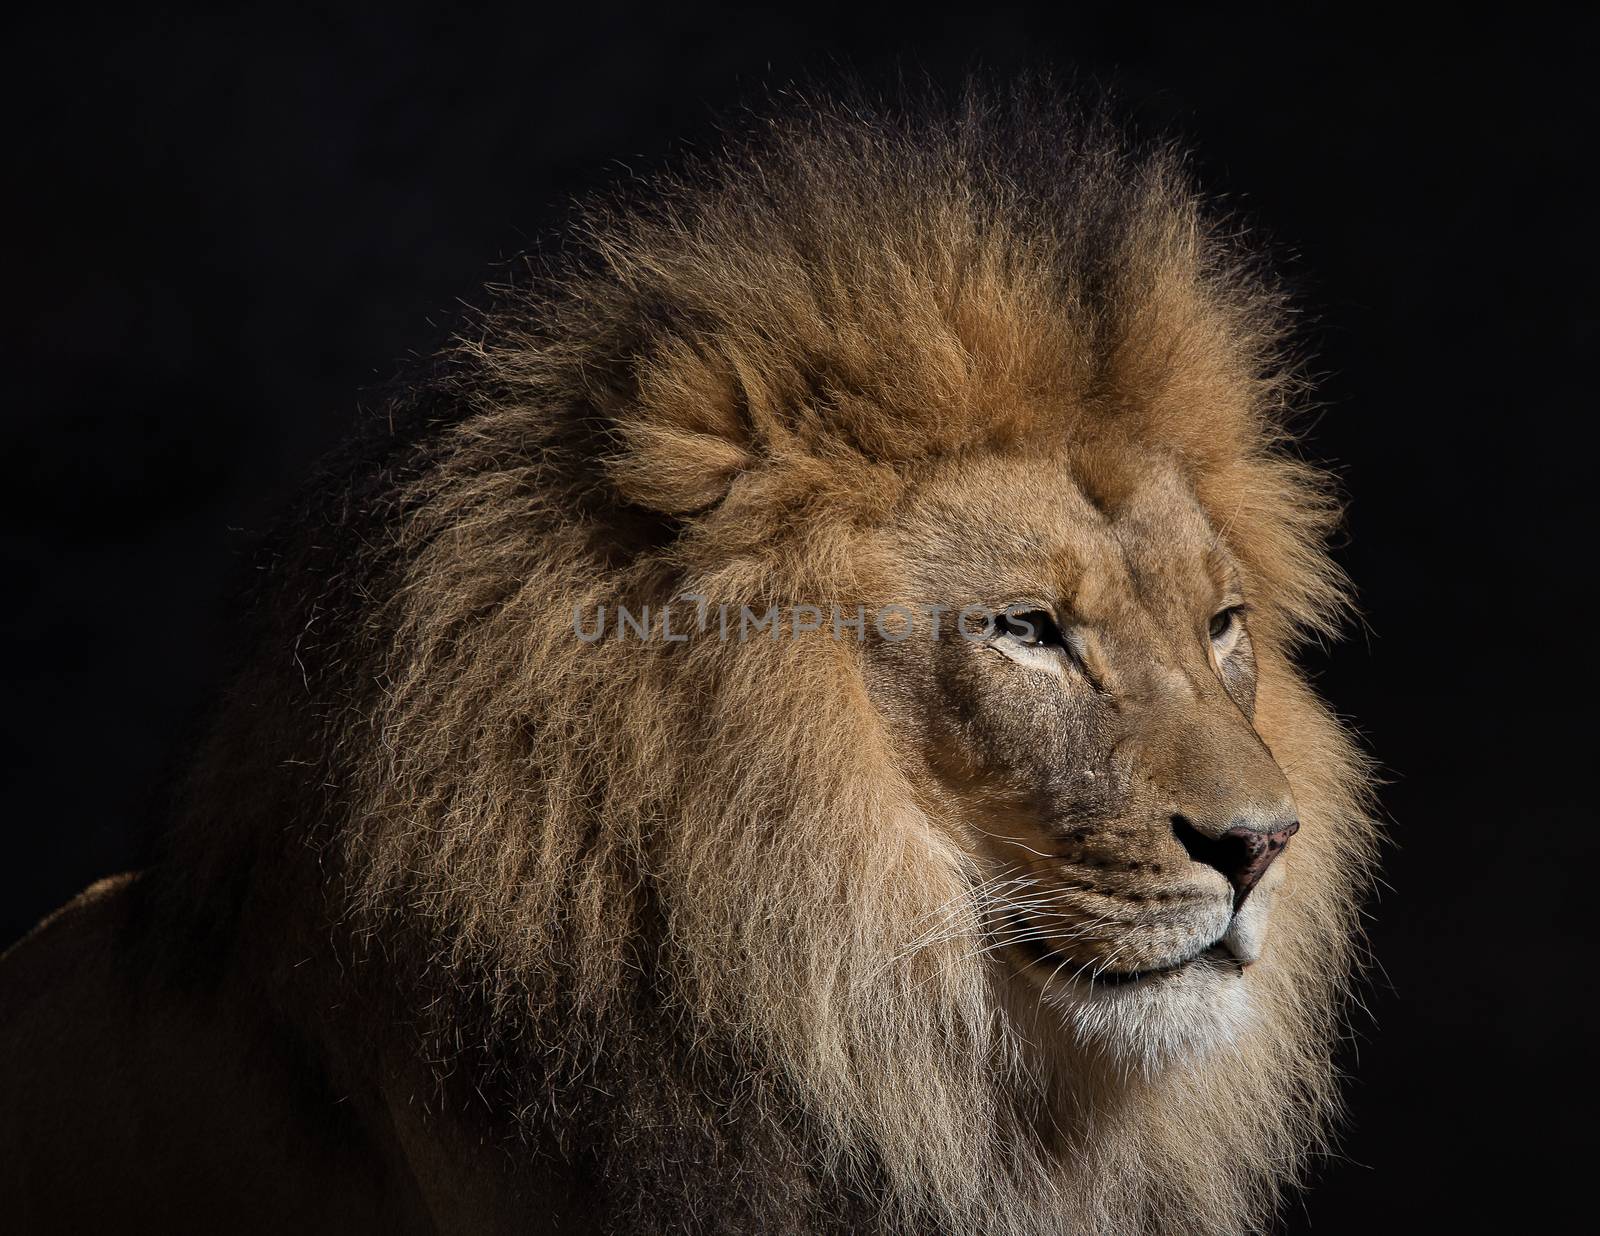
{"x": 224, "y": 228}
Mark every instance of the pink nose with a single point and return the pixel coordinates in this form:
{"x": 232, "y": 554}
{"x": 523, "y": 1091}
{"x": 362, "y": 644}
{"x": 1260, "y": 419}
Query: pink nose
{"x": 1242, "y": 854}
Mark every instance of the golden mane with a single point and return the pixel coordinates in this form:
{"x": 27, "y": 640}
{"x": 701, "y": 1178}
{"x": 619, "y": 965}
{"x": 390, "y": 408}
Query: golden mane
{"x": 567, "y": 848}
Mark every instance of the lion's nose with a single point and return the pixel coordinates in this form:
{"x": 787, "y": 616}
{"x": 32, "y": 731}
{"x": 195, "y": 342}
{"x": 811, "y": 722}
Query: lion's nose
{"x": 1242, "y": 854}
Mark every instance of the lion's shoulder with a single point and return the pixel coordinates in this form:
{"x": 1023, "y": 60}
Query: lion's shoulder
{"x": 55, "y": 973}
{"x": 139, "y": 1103}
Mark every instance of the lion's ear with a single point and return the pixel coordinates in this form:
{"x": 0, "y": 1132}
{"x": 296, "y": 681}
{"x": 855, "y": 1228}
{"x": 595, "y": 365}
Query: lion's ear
{"x": 685, "y": 435}
{"x": 674, "y": 471}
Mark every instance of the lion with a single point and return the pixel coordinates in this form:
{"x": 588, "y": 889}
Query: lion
{"x": 789, "y": 724}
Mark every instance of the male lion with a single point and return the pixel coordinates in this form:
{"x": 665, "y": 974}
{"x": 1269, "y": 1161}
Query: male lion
{"x": 913, "y": 854}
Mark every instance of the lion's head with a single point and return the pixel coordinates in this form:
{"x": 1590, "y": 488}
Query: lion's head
{"x": 968, "y": 862}
{"x": 1090, "y": 739}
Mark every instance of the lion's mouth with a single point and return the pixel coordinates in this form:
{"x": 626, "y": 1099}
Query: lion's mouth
{"x": 1050, "y": 964}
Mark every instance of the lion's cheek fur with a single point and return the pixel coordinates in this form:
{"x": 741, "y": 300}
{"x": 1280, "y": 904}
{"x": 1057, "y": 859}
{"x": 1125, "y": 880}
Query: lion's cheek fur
{"x": 835, "y": 929}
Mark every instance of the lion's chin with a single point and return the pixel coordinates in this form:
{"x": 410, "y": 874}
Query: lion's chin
{"x": 1156, "y": 1020}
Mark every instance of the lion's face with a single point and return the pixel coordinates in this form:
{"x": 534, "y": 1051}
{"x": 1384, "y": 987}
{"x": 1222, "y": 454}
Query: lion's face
{"x": 1094, "y": 746}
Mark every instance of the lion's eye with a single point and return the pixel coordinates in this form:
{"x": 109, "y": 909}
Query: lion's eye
{"x": 1224, "y": 627}
{"x": 1032, "y": 628}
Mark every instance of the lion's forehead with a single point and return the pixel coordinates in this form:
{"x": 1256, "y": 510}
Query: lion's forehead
{"x": 1015, "y": 528}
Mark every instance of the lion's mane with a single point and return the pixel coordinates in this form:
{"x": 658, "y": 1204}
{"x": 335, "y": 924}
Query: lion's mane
{"x": 665, "y": 905}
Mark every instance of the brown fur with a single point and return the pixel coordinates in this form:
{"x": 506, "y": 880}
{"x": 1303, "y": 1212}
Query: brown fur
{"x": 663, "y": 907}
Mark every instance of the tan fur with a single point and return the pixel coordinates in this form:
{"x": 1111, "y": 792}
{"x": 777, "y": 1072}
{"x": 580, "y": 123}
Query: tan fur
{"x": 740, "y": 393}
